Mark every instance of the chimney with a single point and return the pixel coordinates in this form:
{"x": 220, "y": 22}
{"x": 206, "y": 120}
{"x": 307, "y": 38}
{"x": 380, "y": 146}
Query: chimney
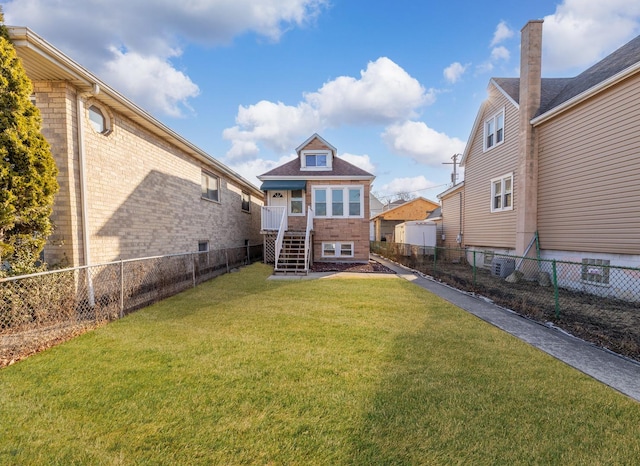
{"x": 526, "y": 181}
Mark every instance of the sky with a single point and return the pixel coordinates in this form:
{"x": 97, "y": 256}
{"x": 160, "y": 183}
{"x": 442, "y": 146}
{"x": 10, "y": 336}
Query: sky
{"x": 395, "y": 86}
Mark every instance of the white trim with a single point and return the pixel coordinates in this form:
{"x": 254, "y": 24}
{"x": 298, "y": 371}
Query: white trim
{"x": 345, "y": 200}
{"x": 504, "y": 93}
{"x": 502, "y": 179}
{"x": 327, "y": 153}
{"x": 493, "y": 118}
{"x": 290, "y": 199}
{"x": 337, "y": 248}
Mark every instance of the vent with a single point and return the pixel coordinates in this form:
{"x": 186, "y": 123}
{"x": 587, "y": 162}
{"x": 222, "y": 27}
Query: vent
{"x": 502, "y": 267}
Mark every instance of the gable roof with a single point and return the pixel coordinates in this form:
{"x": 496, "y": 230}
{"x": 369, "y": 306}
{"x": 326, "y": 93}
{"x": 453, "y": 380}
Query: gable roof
{"x": 558, "y": 94}
{"x": 339, "y": 169}
{"x": 43, "y": 62}
{"x": 321, "y": 139}
{"x": 558, "y": 91}
{"x": 393, "y": 212}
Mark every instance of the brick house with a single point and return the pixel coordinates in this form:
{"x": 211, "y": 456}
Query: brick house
{"x": 129, "y": 186}
{"x": 316, "y": 209}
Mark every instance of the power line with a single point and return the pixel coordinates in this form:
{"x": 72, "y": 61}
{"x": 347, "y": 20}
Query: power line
{"x": 389, "y": 196}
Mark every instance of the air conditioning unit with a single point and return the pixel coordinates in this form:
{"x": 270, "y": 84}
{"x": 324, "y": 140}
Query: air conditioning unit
{"x": 502, "y": 267}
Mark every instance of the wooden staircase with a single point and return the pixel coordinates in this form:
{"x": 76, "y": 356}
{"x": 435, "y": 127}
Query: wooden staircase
{"x": 291, "y": 259}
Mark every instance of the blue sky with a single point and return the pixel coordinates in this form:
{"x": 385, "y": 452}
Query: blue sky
{"x": 395, "y": 86}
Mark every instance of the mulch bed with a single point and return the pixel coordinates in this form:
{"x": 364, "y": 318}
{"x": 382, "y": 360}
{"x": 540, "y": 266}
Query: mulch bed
{"x": 371, "y": 267}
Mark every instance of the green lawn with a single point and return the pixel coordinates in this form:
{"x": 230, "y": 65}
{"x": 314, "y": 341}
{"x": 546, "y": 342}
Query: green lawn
{"x": 242, "y": 370}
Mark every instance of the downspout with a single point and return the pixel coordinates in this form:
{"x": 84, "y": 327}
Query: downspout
{"x": 84, "y": 209}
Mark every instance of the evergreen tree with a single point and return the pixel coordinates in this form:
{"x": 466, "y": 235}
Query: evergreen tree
{"x": 27, "y": 168}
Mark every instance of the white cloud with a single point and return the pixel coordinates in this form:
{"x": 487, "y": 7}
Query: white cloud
{"x": 424, "y": 145}
{"x": 148, "y": 36}
{"x": 384, "y": 93}
{"x": 251, "y": 169}
{"x": 454, "y": 72}
{"x": 501, "y": 33}
{"x": 500, "y": 53}
{"x": 360, "y": 161}
{"x": 275, "y": 125}
{"x": 153, "y": 81}
{"x": 580, "y": 32}
{"x": 410, "y": 185}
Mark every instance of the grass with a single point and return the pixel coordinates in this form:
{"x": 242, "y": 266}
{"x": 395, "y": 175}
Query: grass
{"x": 242, "y": 370}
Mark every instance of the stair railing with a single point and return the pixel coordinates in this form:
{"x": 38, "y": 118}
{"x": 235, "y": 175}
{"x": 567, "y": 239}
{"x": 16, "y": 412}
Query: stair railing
{"x": 280, "y": 237}
{"x": 307, "y": 240}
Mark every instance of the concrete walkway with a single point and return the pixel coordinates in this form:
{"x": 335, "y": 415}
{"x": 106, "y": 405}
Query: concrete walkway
{"x": 616, "y": 371}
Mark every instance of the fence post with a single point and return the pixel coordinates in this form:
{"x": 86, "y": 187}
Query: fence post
{"x": 555, "y": 288}
{"x": 121, "y": 288}
{"x": 474, "y": 268}
{"x": 435, "y": 260}
{"x": 193, "y": 268}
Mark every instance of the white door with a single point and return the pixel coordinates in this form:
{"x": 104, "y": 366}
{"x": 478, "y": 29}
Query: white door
{"x": 278, "y": 198}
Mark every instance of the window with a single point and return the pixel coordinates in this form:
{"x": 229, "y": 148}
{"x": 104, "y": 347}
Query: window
{"x": 354, "y": 202}
{"x": 296, "y": 202}
{"x": 320, "y": 202}
{"x": 98, "y": 120}
{"x": 210, "y": 187}
{"x": 502, "y": 193}
{"x": 203, "y": 246}
{"x": 595, "y": 271}
{"x": 494, "y": 131}
{"x": 246, "y": 202}
{"x": 337, "y": 249}
{"x": 338, "y": 201}
{"x": 316, "y": 160}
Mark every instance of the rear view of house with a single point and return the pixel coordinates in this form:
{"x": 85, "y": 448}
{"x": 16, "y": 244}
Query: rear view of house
{"x": 316, "y": 209}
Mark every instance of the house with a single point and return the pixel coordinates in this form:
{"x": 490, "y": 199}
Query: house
{"x": 556, "y": 159}
{"x": 415, "y": 209}
{"x": 316, "y": 209}
{"x": 375, "y": 207}
{"x": 452, "y": 218}
{"x": 129, "y": 186}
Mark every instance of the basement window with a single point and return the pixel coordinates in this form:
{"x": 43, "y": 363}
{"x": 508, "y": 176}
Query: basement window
{"x": 337, "y": 249}
{"x": 595, "y": 271}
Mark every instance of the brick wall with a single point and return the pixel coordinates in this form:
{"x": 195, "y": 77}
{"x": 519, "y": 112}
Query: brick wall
{"x": 354, "y": 230}
{"x": 143, "y": 194}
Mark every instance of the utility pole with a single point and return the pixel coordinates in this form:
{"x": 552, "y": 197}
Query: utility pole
{"x": 454, "y": 175}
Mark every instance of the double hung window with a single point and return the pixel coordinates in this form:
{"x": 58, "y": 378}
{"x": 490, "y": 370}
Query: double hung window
{"x": 502, "y": 193}
{"x": 494, "y": 130}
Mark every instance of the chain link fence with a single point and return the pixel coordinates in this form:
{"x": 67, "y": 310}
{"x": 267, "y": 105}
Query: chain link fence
{"x": 590, "y": 299}
{"x": 39, "y": 310}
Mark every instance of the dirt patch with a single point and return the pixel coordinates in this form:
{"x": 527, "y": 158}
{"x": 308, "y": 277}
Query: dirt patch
{"x": 371, "y": 267}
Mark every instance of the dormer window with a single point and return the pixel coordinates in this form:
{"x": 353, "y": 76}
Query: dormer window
{"x": 316, "y": 160}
